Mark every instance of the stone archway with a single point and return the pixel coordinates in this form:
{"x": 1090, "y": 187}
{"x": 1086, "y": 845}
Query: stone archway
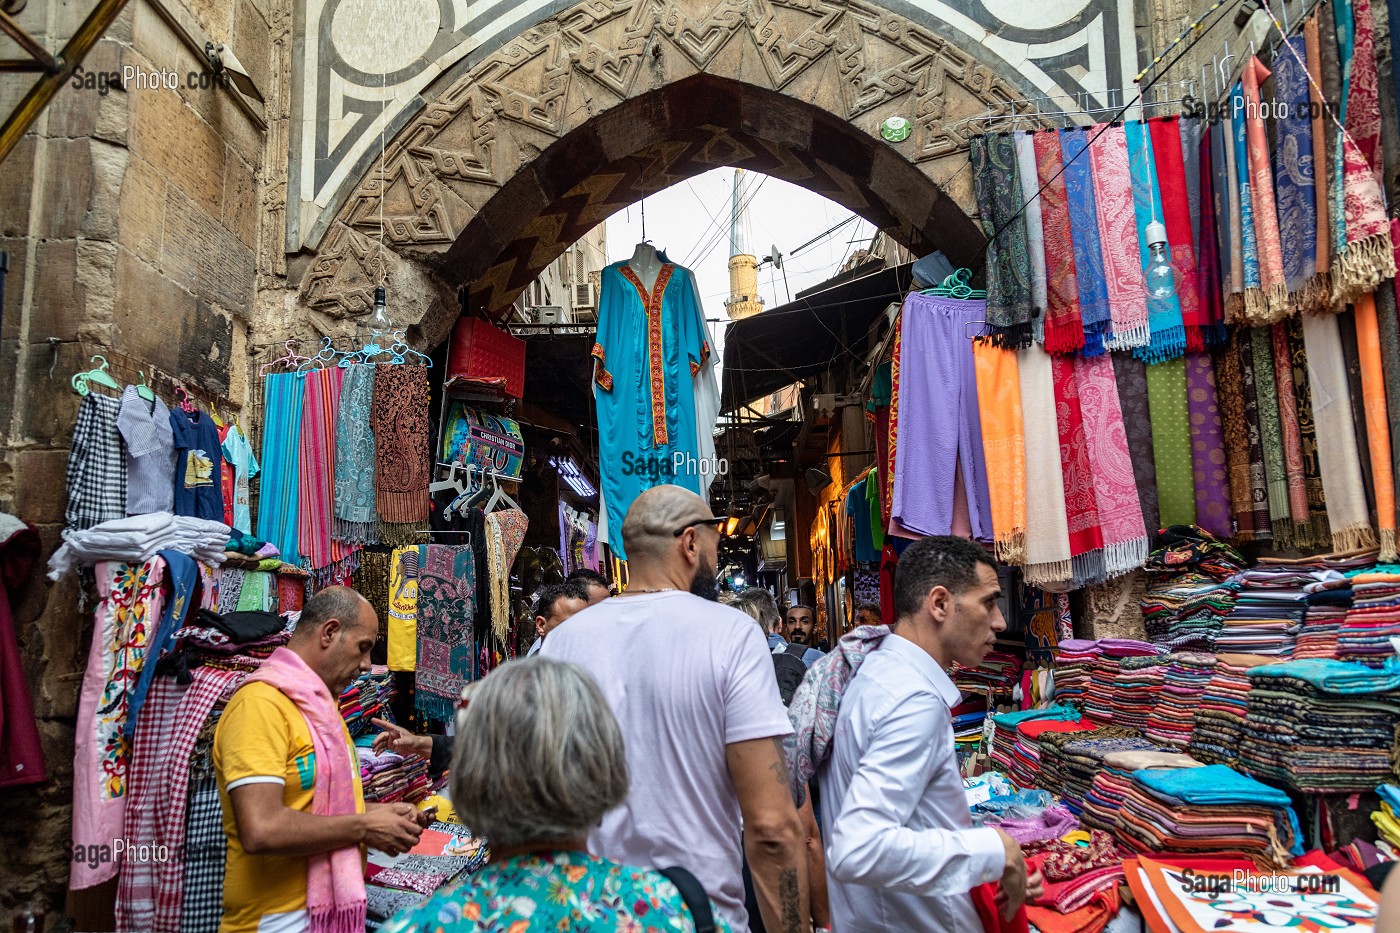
{"x": 610, "y": 100}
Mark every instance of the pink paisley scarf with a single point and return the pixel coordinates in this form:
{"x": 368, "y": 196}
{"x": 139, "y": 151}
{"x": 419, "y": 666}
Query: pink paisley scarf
{"x": 1122, "y": 264}
{"x": 1272, "y": 282}
{"x": 1115, "y": 490}
{"x": 1081, "y": 501}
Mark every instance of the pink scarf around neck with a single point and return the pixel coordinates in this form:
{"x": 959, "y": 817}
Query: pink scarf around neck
{"x": 335, "y": 882}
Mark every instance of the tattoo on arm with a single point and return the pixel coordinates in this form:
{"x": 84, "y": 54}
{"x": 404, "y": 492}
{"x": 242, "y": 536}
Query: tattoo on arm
{"x": 779, "y": 767}
{"x": 789, "y": 897}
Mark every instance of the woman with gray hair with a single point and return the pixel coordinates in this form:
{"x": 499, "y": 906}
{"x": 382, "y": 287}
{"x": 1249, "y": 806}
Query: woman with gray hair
{"x": 544, "y": 762}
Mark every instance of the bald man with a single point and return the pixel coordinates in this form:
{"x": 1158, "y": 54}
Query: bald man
{"x": 691, "y": 683}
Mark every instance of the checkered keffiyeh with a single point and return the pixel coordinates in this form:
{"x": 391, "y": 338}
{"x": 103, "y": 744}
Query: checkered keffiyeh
{"x": 152, "y": 894}
{"x": 96, "y": 482}
{"x": 206, "y": 848}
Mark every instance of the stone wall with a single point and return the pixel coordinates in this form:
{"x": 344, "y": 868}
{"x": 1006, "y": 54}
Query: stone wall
{"x": 132, "y": 220}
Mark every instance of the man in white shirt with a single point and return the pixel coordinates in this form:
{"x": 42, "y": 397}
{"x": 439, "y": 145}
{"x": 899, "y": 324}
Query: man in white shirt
{"x": 691, "y": 683}
{"x": 901, "y": 852}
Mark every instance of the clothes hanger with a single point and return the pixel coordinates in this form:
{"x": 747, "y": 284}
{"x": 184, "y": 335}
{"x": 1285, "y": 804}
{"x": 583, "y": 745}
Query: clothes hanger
{"x": 499, "y": 496}
{"x": 143, "y": 390}
{"x": 187, "y": 404}
{"x": 326, "y": 354}
{"x": 291, "y": 359}
{"x": 399, "y": 348}
{"x": 98, "y": 375}
{"x": 463, "y": 500}
{"x": 958, "y": 285}
{"x": 453, "y": 481}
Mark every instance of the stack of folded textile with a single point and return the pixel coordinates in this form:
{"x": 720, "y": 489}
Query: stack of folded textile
{"x": 1074, "y": 666}
{"x": 1185, "y": 679}
{"x": 998, "y": 673}
{"x": 388, "y": 776}
{"x": 1269, "y": 611}
{"x": 1211, "y": 810}
{"x": 1124, "y": 683}
{"x": 1112, "y": 784}
{"x": 1322, "y": 726}
{"x": 1374, "y": 617}
{"x": 1062, "y": 774}
{"x": 367, "y": 697}
{"x": 1186, "y": 610}
{"x": 137, "y": 539}
{"x": 968, "y": 718}
{"x": 1003, "y": 733}
{"x": 1084, "y": 758}
{"x": 1188, "y": 547}
{"x": 1025, "y": 751}
{"x": 1215, "y": 735}
{"x": 1329, "y": 601}
{"x": 1075, "y": 875}
{"x": 1387, "y": 823}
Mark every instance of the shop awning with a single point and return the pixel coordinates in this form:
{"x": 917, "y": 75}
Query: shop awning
{"x": 798, "y": 340}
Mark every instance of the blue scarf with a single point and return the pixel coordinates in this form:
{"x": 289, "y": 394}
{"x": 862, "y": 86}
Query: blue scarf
{"x": 1294, "y": 174}
{"x": 1084, "y": 227}
{"x": 1250, "y": 245}
{"x": 1168, "y": 335}
{"x": 183, "y": 576}
{"x": 283, "y": 394}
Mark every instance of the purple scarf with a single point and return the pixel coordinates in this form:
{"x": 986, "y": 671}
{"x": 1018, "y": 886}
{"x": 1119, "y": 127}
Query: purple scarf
{"x": 1208, "y": 464}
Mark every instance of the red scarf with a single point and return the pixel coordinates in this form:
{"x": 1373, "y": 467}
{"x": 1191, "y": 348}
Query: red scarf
{"x": 1064, "y": 326}
{"x": 1081, "y": 508}
{"x": 1176, "y": 214}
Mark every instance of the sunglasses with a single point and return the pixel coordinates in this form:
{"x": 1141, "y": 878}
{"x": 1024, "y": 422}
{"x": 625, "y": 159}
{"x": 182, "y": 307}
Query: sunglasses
{"x": 702, "y": 521}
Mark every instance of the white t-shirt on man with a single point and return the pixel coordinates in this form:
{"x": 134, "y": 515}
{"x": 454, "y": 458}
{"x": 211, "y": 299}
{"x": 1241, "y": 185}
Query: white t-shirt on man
{"x": 685, "y": 678}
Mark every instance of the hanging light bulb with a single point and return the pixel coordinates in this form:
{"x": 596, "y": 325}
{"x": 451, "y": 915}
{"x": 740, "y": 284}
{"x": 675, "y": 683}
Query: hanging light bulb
{"x": 1159, "y": 273}
{"x": 380, "y": 324}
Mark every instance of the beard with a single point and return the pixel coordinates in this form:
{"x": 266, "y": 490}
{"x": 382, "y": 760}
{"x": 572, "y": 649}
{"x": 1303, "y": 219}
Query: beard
{"x": 705, "y": 583}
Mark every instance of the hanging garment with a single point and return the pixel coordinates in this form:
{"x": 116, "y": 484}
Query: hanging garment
{"x": 1028, "y": 177}
{"x": 1171, "y": 441}
{"x": 402, "y": 643}
{"x": 1288, "y": 424}
{"x": 1294, "y": 175}
{"x": 1255, "y": 307}
{"x": 1230, "y": 380}
{"x": 206, "y": 851}
{"x": 1208, "y": 469}
{"x": 1081, "y": 504}
{"x": 1337, "y": 452}
{"x": 1273, "y": 284}
{"x": 1004, "y": 445}
{"x": 1227, "y": 198}
{"x": 1168, "y": 337}
{"x": 997, "y": 186}
{"x": 1346, "y": 325}
{"x": 1332, "y": 93}
{"x": 150, "y": 453}
{"x": 1192, "y": 133}
{"x": 402, "y": 446}
{"x": 938, "y": 386}
{"x": 505, "y": 532}
{"x": 182, "y": 576}
{"x": 1175, "y": 185}
{"x": 21, "y": 755}
{"x": 1319, "y": 289}
{"x": 199, "y": 460}
{"x": 1317, "y": 534}
{"x": 125, "y": 619}
{"x": 650, "y": 346}
{"x": 446, "y": 607}
{"x": 1258, "y": 477}
{"x": 96, "y": 480}
{"x": 1118, "y": 238}
{"x": 1131, "y": 375}
{"x": 317, "y": 460}
{"x": 283, "y": 394}
{"x": 1271, "y": 434}
{"x": 1063, "y": 324}
{"x": 1090, "y": 282}
{"x": 1208, "y": 265}
{"x": 1115, "y": 490}
{"x": 1047, "y": 533}
{"x": 1377, "y": 421}
{"x": 356, "y": 521}
{"x": 238, "y": 453}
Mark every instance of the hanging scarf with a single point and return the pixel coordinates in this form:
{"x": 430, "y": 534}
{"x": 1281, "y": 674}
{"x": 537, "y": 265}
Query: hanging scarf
{"x": 1064, "y": 328}
{"x": 1047, "y": 532}
{"x": 402, "y": 445}
{"x": 315, "y": 517}
{"x": 505, "y": 532}
{"x": 995, "y": 179}
{"x": 1337, "y": 453}
{"x": 1118, "y": 238}
{"x": 1271, "y": 274}
{"x": 1115, "y": 490}
{"x": 1208, "y": 470}
{"x": 371, "y": 580}
{"x": 1332, "y": 95}
{"x": 1233, "y": 231}
{"x": 1208, "y": 250}
{"x": 1256, "y": 303}
{"x": 892, "y": 422}
{"x": 1174, "y": 203}
{"x": 182, "y": 573}
{"x": 1271, "y": 435}
{"x": 1003, "y": 443}
{"x": 1081, "y": 504}
{"x": 355, "y": 519}
{"x": 1027, "y": 174}
{"x": 1294, "y": 176}
{"x": 1319, "y": 288}
{"x": 335, "y": 883}
{"x": 1232, "y": 413}
{"x": 1131, "y": 375}
{"x": 1388, "y": 318}
{"x": 1317, "y": 533}
{"x": 283, "y": 394}
{"x": 446, "y": 644}
{"x": 1191, "y": 131}
{"x": 1367, "y": 258}
{"x": 1168, "y": 336}
{"x": 1368, "y": 343}
{"x": 1346, "y": 324}
{"x": 401, "y": 641}
{"x": 1288, "y": 423}
{"x": 1090, "y": 283}
{"x": 1171, "y": 440}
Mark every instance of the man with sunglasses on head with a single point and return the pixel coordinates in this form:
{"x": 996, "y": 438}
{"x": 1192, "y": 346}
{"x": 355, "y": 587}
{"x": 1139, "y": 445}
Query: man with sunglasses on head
{"x": 691, "y": 684}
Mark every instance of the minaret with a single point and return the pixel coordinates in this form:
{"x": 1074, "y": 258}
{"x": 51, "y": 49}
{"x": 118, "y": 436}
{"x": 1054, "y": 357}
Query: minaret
{"x": 743, "y": 300}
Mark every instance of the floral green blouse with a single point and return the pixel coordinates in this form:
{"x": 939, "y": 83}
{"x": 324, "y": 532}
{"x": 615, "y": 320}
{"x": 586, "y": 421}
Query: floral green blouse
{"x": 563, "y": 891}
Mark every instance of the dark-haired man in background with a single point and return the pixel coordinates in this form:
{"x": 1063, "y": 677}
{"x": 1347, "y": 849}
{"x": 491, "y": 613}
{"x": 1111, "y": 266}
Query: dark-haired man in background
{"x": 594, "y": 585}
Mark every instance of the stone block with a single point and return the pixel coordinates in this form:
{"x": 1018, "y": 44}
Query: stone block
{"x": 149, "y": 312}
{"x": 18, "y": 251}
{"x": 57, "y": 291}
{"x": 49, "y": 404}
{"x": 241, "y": 200}
{"x": 74, "y": 111}
{"x": 40, "y": 497}
{"x": 209, "y": 260}
{"x": 67, "y": 187}
{"x": 18, "y": 189}
{"x": 252, "y": 43}
{"x": 142, "y": 209}
{"x": 183, "y": 148}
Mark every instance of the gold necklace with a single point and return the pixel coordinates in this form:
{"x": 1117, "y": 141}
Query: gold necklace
{"x": 664, "y": 589}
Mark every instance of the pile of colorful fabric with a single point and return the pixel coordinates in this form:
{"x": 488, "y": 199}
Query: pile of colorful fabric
{"x": 1186, "y": 676}
{"x": 1374, "y": 616}
{"x": 998, "y": 673}
{"x": 1214, "y": 809}
{"x": 1123, "y": 685}
{"x": 1215, "y": 735}
{"x": 1078, "y": 877}
{"x": 1074, "y": 666}
{"x": 1329, "y": 602}
{"x": 1005, "y": 733}
{"x": 388, "y": 776}
{"x": 1182, "y": 548}
{"x": 1386, "y": 820}
{"x": 1186, "y": 610}
{"x": 367, "y": 697}
{"x": 1114, "y": 782}
{"x": 445, "y": 851}
{"x": 1269, "y": 611}
{"x": 1069, "y": 773}
{"x": 1322, "y": 726}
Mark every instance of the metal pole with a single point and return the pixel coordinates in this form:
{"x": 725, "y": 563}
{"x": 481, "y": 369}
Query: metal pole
{"x": 23, "y": 117}
{"x": 27, "y": 42}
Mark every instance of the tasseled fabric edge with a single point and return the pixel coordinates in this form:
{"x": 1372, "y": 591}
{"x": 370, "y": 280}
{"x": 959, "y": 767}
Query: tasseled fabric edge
{"x": 1278, "y": 306}
{"x": 1050, "y": 575}
{"x": 1314, "y": 533}
{"x": 356, "y": 532}
{"x": 400, "y": 534}
{"x": 1387, "y": 540}
{"x": 1315, "y": 296}
{"x": 1094, "y": 339}
{"x": 1125, "y": 557}
{"x": 1361, "y": 267}
{"x": 435, "y": 707}
{"x": 1195, "y": 338}
{"x": 1234, "y": 308}
{"x": 1063, "y": 339}
{"x": 1010, "y": 547}
{"x": 1015, "y": 337}
{"x": 1166, "y": 344}
{"x": 1284, "y": 538}
{"x": 1139, "y": 336}
{"x": 1089, "y": 568}
{"x": 1354, "y": 538}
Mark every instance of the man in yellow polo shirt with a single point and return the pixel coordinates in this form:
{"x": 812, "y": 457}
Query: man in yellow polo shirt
{"x": 266, "y": 765}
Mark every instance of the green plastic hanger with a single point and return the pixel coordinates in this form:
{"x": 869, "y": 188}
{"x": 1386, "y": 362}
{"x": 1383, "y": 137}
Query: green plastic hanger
{"x": 98, "y": 375}
{"x": 144, "y": 390}
{"x": 957, "y": 286}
